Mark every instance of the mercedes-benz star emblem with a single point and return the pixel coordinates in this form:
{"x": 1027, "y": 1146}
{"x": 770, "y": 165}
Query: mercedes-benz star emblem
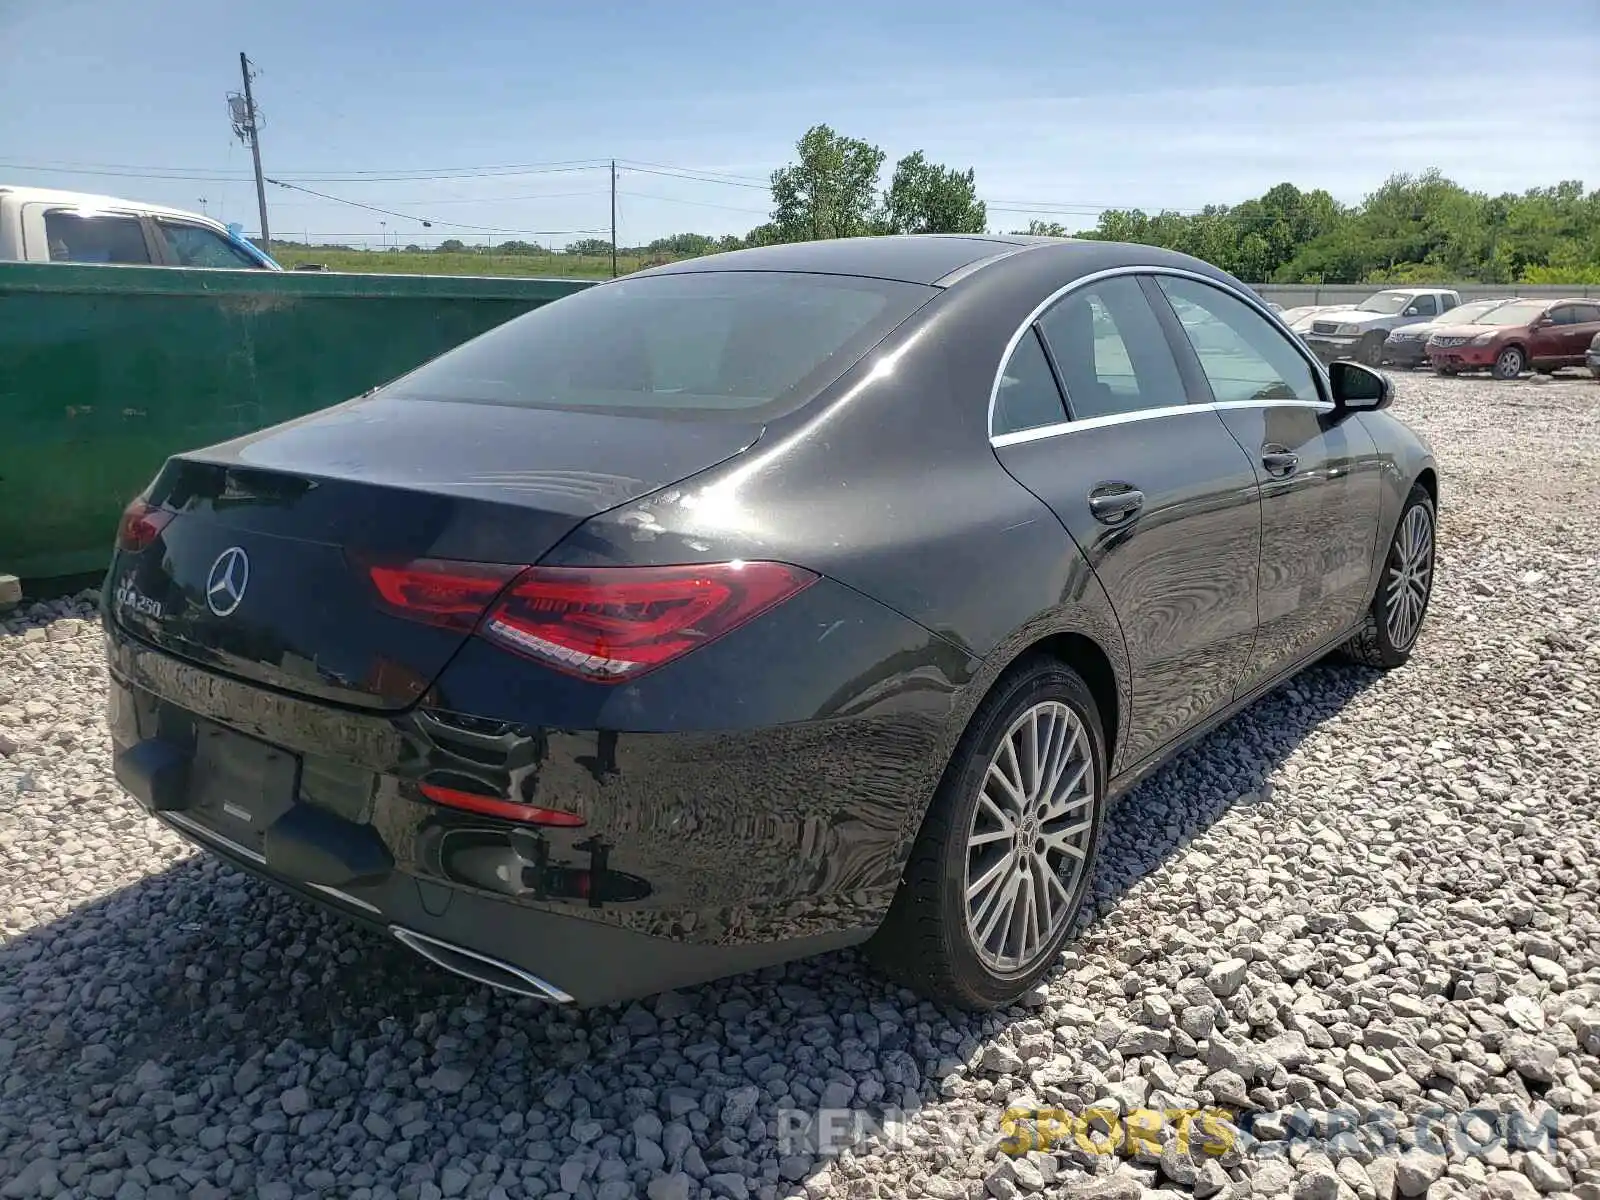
{"x": 229, "y": 577}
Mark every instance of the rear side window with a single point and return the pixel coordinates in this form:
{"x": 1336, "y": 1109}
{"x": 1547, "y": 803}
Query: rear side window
{"x": 1028, "y": 397}
{"x": 84, "y": 238}
{"x": 693, "y": 345}
{"x": 1111, "y": 352}
{"x": 193, "y": 246}
{"x": 1588, "y": 314}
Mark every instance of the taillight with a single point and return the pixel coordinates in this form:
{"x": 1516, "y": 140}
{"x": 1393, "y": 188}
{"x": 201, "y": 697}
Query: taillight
{"x": 494, "y": 806}
{"x": 606, "y": 624}
{"x": 142, "y": 522}
{"x": 612, "y": 624}
{"x": 450, "y": 594}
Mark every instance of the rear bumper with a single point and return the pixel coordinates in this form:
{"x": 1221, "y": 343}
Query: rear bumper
{"x": 703, "y": 853}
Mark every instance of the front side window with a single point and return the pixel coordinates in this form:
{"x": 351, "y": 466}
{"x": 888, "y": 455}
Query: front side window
{"x": 77, "y": 237}
{"x": 692, "y": 345}
{"x": 1426, "y": 306}
{"x": 1244, "y": 358}
{"x": 1110, "y": 351}
{"x": 195, "y": 246}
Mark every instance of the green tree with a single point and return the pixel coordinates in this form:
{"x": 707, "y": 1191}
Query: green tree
{"x": 452, "y": 246}
{"x": 829, "y": 192}
{"x": 1044, "y": 229}
{"x": 924, "y": 197}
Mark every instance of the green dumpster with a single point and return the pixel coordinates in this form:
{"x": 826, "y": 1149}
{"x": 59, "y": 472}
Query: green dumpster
{"x": 105, "y": 371}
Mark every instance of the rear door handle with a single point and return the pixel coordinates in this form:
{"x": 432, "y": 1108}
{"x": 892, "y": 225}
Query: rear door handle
{"x": 1114, "y": 502}
{"x": 1279, "y": 461}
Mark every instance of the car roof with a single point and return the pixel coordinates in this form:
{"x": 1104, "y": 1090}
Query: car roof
{"x": 39, "y": 195}
{"x": 935, "y": 259}
{"x": 923, "y": 258}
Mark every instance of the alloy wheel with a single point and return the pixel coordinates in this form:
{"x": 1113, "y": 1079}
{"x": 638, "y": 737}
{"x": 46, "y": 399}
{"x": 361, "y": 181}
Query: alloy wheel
{"x": 1509, "y": 364}
{"x": 1410, "y": 577}
{"x": 1030, "y": 838}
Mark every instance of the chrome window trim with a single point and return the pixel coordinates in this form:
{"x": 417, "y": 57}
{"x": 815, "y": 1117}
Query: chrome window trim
{"x": 1000, "y": 440}
{"x": 1318, "y": 372}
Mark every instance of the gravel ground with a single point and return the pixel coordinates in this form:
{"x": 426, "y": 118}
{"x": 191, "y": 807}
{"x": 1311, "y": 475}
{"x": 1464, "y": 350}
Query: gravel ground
{"x": 1369, "y": 894}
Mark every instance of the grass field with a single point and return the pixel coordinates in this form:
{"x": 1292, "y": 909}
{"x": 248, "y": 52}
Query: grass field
{"x": 398, "y": 262}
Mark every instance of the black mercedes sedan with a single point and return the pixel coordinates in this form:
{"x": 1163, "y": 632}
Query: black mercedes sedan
{"x": 758, "y": 605}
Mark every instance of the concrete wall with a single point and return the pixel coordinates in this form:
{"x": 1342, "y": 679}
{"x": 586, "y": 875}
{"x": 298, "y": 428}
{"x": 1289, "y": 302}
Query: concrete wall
{"x": 1292, "y": 295}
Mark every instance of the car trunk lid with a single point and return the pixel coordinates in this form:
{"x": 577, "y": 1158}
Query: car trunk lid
{"x": 263, "y": 568}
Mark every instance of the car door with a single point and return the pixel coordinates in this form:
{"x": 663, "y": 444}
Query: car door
{"x": 1316, "y": 470}
{"x": 1421, "y": 308}
{"x": 1093, "y": 416}
{"x": 61, "y": 233}
{"x": 1585, "y": 324}
{"x": 188, "y": 245}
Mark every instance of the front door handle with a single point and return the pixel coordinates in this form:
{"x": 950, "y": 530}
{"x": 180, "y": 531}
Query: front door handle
{"x": 1114, "y": 502}
{"x": 1279, "y": 460}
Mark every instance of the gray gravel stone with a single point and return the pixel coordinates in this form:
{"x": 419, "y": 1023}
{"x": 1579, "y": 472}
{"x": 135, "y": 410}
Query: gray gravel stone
{"x": 1365, "y": 893}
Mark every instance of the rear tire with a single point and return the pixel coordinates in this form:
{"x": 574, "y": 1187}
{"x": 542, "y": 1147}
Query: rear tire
{"x": 1393, "y": 621}
{"x": 1000, "y": 834}
{"x": 1508, "y": 364}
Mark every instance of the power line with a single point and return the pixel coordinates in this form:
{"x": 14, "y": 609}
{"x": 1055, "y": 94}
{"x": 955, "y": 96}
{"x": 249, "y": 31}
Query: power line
{"x": 427, "y": 222}
{"x": 677, "y": 173}
{"x": 757, "y": 212}
{"x": 698, "y": 171}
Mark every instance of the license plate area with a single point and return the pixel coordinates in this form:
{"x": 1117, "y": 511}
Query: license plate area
{"x": 239, "y": 786}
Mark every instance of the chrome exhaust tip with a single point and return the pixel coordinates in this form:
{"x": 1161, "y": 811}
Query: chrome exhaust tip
{"x": 479, "y": 968}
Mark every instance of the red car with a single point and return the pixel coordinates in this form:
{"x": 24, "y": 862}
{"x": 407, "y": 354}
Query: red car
{"x": 1543, "y": 334}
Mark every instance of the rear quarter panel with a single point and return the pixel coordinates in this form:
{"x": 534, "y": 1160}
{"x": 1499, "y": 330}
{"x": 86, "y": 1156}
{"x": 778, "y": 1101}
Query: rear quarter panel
{"x": 888, "y": 485}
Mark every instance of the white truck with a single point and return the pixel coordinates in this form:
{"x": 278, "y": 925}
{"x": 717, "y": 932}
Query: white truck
{"x": 46, "y": 225}
{"x": 1360, "y": 331}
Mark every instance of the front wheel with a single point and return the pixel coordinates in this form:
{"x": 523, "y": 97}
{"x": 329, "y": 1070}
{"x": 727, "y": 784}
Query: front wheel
{"x": 1509, "y": 363}
{"x": 1003, "y": 860}
{"x": 1393, "y": 620}
{"x": 1370, "y": 352}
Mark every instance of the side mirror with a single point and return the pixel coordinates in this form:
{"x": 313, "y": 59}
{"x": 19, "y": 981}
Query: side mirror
{"x": 1540, "y": 322}
{"x": 1359, "y": 389}
{"x": 1412, "y": 311}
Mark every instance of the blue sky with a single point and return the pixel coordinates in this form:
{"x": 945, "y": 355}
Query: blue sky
{"x": 1061, "y": 107}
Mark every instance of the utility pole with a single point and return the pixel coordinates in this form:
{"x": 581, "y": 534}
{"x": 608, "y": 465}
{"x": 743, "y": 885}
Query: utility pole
{"x": 247, "y": 124}
{"x": 613, "y": 218}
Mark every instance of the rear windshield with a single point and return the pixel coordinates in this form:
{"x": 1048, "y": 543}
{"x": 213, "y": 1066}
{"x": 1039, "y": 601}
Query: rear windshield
{"x": 694, "y": 345}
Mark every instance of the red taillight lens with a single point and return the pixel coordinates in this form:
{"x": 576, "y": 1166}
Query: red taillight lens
{"x": 450, "y": 594}
{"x": 615, "y": 623}
{"x": 142, "y": 522}
{"x": 493, "y": 806}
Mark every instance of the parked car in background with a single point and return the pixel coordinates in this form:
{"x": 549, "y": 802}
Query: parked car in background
{"x": 1543, "y": 334}
{"x": 570, "y": 660}
{"x": 1407, "y": 345}
{"x": 1594, "y": 356}
{"x": 1300, "y": 317}
{"x": 1360, "y": 332}
{"x": 48, "y": 225}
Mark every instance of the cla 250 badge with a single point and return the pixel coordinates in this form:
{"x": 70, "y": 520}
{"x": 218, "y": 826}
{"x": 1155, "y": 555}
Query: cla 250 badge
{"x": 131, "y": 599}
